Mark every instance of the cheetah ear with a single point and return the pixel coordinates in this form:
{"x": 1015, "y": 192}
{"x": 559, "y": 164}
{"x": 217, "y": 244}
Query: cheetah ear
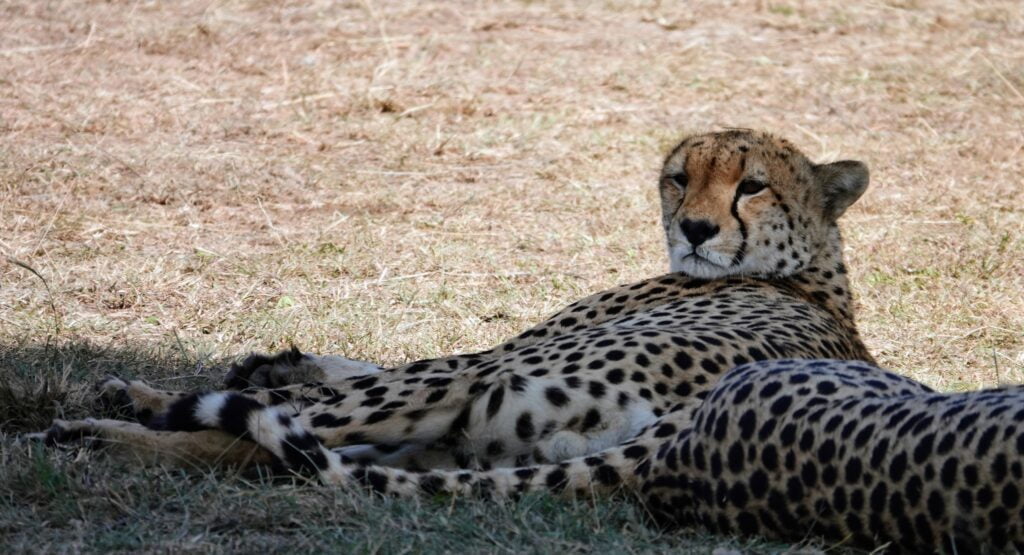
{"x": 842, "y": 182}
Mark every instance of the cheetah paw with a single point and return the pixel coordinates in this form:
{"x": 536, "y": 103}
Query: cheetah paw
{"x": 86, "y": 433}
{"x": 259, "y": 370}
{"x": 112, "y": 397}
{"x": 294, "y": 367}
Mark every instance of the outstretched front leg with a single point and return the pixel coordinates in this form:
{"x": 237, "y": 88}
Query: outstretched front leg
{"x": 621, "y": 467}
{"x": 137, "y": 442}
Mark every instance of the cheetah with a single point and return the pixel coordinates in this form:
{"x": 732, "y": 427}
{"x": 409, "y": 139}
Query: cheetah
{"x": 758, "y": 273}
{"x": 624, "y": 389}
{"x": 781, "y": 449}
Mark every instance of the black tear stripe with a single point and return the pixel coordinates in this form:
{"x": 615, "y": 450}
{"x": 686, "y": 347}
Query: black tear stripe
{"x": 741, "y": 252}
{"x": 677, "y": 212}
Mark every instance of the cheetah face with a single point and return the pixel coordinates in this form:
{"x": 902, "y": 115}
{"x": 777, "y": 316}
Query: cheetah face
{"x": 746, "y": 203}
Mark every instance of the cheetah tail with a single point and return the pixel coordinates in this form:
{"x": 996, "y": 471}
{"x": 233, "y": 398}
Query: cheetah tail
{"x": 598, "y": 474}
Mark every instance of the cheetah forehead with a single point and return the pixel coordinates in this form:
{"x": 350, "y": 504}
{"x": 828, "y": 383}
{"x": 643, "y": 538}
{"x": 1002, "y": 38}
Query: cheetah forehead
{"x": 728, "y": 156}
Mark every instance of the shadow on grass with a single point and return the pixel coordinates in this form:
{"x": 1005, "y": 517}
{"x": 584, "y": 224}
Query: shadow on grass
{"x": 43, "y": 381}
{"x": 81, "y": 500}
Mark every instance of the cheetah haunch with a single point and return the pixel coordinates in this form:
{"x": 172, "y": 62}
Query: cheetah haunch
{"x": 618, "y": 390}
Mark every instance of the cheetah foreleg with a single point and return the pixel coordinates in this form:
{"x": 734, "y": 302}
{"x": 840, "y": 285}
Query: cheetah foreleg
{"x": 135, "y": 441}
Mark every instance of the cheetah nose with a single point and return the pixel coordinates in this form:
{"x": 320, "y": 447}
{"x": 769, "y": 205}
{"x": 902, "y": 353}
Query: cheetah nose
{"x": 698, "y": 231}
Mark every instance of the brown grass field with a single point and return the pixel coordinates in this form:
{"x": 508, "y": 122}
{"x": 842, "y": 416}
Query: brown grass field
{"x": 183, "y": 182}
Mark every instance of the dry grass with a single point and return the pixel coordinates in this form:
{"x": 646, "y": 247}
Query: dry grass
{"x": 397, "y": 180}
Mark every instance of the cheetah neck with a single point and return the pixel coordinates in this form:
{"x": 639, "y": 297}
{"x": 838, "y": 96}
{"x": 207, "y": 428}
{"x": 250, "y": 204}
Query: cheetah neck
{"x": 824, "y": 279}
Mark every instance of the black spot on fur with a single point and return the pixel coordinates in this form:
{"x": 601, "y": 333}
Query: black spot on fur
{"x": 180, "y": 416}
{"x": 234, "y": 414}
{"x": 379, "y": 416}
{"x": 635, "y": 452}
{"x": 365, "y": 383}
{"x": 375, "y": 480}
{"x": 591, "y": 419}
{"x": 494, "y": 402}
{"x": 302, "y": 452}
{"x": 556, "y": 396}
{"x": 556, "y": 480}
{"x": 607, "y": 475}
{"x": 328, "y": 420}
{"x": 431, "y": 484}
{"x": 436, "y": 396}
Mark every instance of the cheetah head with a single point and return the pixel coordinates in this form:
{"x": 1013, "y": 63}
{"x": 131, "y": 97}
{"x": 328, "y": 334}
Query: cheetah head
{"x": 742, "y": 202}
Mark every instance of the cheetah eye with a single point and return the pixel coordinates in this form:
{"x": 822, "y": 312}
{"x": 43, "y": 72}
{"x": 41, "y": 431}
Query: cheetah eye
{"x": 751, "y": 187}
{"x": 679, "y": 179}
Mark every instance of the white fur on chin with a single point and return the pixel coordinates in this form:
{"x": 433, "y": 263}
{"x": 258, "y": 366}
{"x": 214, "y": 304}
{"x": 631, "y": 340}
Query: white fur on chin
{"x": 682, "y": 260}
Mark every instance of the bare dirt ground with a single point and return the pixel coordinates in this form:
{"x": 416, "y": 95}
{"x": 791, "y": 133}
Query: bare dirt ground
{"x": 191, "y": 180}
